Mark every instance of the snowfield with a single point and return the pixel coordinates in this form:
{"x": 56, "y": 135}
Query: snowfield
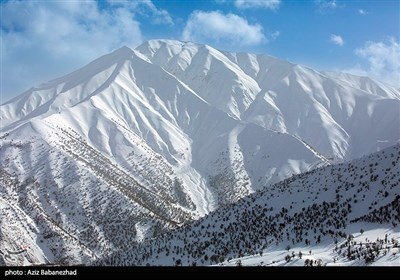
{"x": 144, "y": 142}
{"x": 326, "y": 254}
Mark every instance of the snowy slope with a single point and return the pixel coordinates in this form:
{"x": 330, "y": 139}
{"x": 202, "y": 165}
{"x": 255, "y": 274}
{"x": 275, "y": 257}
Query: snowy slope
{"x": 115, "y": 96}
{"x": 344, "y": 214}
{"x": 323, "y": 109}
{"x": 365, "y": 83}
{"x": 143, "y": 141}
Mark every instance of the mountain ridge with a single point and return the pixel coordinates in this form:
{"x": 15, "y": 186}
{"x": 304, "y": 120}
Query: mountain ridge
{"x": 166, "y": 134}
{"x": 273, "y": 83}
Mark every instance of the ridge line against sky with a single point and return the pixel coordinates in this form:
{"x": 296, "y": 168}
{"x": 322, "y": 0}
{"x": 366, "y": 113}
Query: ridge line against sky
{"x": 42, "y": 40}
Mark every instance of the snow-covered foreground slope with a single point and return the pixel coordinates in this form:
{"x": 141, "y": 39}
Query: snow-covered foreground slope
{"x": 344, "y": 214}
{"x": 144, "y": 141}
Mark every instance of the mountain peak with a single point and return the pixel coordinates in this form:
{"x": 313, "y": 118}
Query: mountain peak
{"x": 170, "y": 47}
{"x": 144, "y": 140}
{"x": 124, "y": 51}
{"x": 168, "y": 42}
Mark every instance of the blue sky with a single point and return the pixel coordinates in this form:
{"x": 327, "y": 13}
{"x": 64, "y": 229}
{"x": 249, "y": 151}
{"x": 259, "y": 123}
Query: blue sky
{"x": 41, "y": 40}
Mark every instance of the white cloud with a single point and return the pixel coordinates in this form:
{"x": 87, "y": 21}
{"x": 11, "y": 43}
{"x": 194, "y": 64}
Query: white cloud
{"x": 324, "y": 6}
{"x": 382, "y": 61}
{"x": 160, "y": 16}
{"x": 274, "y": 35}
{"x": 217, "y": 28}
{"x": 145, "y": 8}
{"x": 362, "y": 12}
{"x": 267, "y": 4}
{"x": 337, "y": 40}
{"x": 45, "y": 39}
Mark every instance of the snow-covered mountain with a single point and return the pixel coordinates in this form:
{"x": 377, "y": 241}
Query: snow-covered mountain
{"x": 340, "y": 115}
{"x": 143, "y": 141}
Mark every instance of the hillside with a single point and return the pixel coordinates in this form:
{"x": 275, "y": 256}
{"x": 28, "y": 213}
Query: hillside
{"x": 145, "y": 141}
{"x": 344, "y": 214}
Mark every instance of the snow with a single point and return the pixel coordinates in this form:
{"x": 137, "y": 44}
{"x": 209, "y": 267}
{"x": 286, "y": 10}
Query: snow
{"x": 18, "y": 242}
{"x": 275, "y": 256}
{"x": 343, "y": 214}
{"x": 171, "y": 131}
